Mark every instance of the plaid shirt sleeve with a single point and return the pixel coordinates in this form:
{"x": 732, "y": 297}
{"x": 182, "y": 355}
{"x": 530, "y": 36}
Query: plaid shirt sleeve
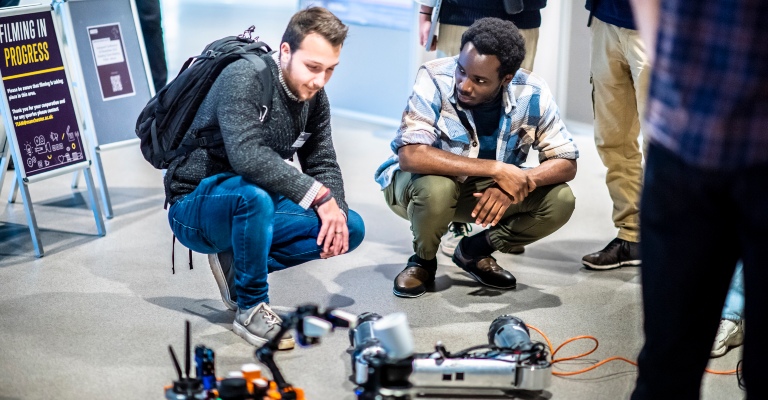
{"x": 552, "y": 138}
{"x": 420, "y": 115}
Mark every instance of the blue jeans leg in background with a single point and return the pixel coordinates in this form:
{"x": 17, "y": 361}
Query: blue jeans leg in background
{"x": 266, "y": 232}
{"x": 734, "y": 302}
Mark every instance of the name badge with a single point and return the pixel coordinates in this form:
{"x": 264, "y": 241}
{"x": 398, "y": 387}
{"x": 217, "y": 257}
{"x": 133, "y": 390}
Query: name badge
{"x": 301, "y": 140}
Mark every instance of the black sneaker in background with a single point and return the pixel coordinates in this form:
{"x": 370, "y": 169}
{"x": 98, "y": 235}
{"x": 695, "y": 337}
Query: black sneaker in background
{"x": 617, "y": 253}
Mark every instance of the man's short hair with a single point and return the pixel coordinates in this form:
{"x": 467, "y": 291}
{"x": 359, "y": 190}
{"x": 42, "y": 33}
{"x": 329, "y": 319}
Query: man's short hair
{"x": 314, "y": 20}
{"x": 496, "y": 37}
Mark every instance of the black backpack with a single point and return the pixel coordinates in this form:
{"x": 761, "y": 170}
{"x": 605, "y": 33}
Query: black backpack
{"x": 164, "y": 122}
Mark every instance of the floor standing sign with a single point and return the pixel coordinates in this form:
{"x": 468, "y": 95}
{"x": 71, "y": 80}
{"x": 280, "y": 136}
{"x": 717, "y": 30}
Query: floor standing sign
{"x": 41, "y": 122}
{"x": 110, "y": 72}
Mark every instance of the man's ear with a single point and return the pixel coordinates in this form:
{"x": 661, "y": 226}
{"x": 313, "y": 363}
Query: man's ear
{"x": 507, "y": 79}
{"x": 285, "y": 49}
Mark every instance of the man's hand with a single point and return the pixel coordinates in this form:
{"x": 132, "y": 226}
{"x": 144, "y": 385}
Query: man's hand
{"x": 334, "y": 234}
{"x": 514, "y": 181}
{"x": 491, "y": 207}
{"x": 425, "y": 24}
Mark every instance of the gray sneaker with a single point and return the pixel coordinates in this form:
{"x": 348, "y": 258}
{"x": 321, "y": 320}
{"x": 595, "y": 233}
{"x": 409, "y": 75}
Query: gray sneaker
{"x": 460, "y": 230}
{"x": 223, "y": 271}
{"x": 259, "y": 324}
{"x": 456, "y": 232}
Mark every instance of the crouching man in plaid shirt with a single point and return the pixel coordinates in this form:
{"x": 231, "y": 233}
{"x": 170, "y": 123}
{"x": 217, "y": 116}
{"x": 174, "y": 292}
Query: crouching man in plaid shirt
{"x": 468, "y": 127}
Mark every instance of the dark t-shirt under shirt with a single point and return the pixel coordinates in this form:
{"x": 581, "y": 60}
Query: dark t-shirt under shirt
{"x": 487, "y": 118}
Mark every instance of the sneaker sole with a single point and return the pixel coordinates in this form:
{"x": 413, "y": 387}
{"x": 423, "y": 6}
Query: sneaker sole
{"x": 257, "y": 341}
{"x": 729, "y": 344}
{"x": 721, "y": 351}
{"x": 599, "y": 267}
{"x": 221, "y": 281}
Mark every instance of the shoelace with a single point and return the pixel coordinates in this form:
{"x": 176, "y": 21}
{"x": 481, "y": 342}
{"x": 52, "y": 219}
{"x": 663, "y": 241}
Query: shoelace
{"x": 460, "y": 229}
{"x": 268, "y": 315}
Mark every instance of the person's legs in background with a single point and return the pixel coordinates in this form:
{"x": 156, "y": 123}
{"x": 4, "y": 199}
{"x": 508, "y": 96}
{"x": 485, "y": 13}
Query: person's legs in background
{"x": 531, "y": 37}
{"x": 690, "y": 248}
{"x": 449, "y": 40}
{"x": 619, "y": 81}
{"x": 731, "y": 330}
{"x": 752, "y": 213}
{"x": 152, "y": 30}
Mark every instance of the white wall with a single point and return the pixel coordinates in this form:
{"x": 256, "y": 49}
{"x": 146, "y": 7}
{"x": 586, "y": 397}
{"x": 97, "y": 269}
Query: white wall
{"x": 562, "y": 57}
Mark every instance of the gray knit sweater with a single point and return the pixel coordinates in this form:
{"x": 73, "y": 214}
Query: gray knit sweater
{"x": 256, "y": 150}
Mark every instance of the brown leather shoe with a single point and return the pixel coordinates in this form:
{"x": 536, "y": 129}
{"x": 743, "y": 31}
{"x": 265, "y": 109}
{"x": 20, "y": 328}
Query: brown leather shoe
{"x": 484, "y": 269}
{"x": 413, "y": 280}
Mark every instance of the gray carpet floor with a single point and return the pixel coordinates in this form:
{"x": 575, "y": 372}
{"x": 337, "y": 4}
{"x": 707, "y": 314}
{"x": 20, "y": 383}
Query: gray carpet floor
{"x": 93, "y": 317}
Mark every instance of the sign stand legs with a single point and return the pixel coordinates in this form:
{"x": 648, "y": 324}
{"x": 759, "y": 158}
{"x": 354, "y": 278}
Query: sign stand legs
{"x": 14, "y": 191}
{"x": 4, "y": 162}
{"x": 107, "y": 201}
{"x": 18, "y": 185}
{"x": 102, "y": 183}
{"x": 75, "y": 179}
{"x": 94, "y": 202}
{"x": 31, "y": 220}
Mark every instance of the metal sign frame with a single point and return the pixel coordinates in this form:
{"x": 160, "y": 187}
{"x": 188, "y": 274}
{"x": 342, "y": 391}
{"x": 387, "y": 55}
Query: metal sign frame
{"x": 63, "y": 9}
{"x": 22, "y": 180}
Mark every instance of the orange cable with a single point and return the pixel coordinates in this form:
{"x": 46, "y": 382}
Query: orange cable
{"x": 581, "y": 371}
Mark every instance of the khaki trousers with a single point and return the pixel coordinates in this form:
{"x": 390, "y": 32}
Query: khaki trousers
{"x": 431, "y": 202}
{"x": 449, "y": 42}
{"x": 619, "y": 77}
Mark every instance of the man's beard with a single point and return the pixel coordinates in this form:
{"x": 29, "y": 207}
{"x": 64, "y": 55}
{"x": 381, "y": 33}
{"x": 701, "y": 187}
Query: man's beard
{"x": 486, "y": 101}
{"x": 289, "y": 80}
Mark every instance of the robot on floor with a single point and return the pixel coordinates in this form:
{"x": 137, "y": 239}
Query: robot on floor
{"x": 385, "y": 367}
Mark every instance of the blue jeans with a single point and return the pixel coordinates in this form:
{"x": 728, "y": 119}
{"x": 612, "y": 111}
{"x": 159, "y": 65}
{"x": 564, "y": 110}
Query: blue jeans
{"x": 265, "y": 231}
{"x": 734, "y": 302}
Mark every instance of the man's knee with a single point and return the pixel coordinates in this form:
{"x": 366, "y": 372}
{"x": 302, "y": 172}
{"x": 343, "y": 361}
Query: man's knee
{"x": 254, "y": 197}
{"x": 356, "y": 229}
{"x": 560, "y": 203}
{"x": 436, "y": 193}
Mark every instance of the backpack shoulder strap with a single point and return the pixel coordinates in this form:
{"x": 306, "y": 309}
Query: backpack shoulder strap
{"x": 266, "y": 79}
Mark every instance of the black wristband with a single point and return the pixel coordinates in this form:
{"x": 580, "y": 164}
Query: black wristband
{"x": 425, "y": 13}
{"x": 322, "y": 200}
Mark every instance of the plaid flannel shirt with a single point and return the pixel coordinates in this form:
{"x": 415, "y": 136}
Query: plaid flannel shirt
{"x": 708, "y": 98}
{"x": 530, "y": 118}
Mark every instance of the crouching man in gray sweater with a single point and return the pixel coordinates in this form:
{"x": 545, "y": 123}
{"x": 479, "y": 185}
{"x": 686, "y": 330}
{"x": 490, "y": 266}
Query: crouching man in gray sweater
{"x": 241, "y": 203}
